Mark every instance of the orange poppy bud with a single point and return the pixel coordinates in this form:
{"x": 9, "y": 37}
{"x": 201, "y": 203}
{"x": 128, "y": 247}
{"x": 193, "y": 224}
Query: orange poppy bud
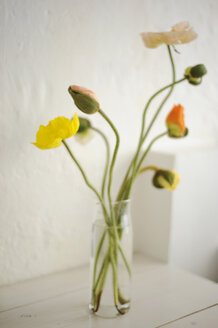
{"x": 175, "y": 122}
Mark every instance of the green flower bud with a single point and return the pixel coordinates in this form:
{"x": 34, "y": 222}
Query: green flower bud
{"x": 167, "y": 179}
{"x": 198, "y": 71}
{"x": 86, "y": 100}
{"x": 194, "y": 73}
{"x": 85, "y": 133}
{"x": 84, "y": 125}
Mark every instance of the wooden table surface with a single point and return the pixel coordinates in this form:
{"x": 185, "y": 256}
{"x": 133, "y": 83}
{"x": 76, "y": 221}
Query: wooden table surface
{"x": 163, "y": 296}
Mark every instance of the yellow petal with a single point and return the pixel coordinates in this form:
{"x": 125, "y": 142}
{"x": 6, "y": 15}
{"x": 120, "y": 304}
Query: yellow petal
{"x": 165, "y": 184}
{"x": 176, "y": 180}
{"x": 60, "y": 128}
{"x": 45, "y": 139}
{"x": 75, "y": 123}
{"x": 64, "y": 128}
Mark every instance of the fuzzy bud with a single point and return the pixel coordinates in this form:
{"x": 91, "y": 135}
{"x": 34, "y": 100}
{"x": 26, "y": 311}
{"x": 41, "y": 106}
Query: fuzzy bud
{"x": 86, "y": 100}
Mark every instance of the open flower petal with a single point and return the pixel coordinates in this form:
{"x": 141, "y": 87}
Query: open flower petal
{"x": 45, "y": 139}
{"x": 182, "y": 26}
{"x": 51, "y": 135}
{"x": 63, "y": 127}
{"x": 152, "y": 40}
{"x": 180, "y": 33}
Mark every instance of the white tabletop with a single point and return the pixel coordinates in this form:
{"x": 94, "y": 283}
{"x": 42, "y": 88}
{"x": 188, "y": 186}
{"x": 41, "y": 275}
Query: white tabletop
{"x": 163, "y": 296}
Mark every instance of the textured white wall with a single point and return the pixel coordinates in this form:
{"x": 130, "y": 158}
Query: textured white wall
{"x": 48, "y": 45}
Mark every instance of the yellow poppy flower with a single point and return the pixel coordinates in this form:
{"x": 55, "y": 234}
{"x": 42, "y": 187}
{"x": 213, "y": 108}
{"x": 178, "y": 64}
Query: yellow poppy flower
{"x": 51, "y": 135}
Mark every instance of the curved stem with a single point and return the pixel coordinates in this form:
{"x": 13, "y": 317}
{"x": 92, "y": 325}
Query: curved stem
{"x": 107, "y": 158}
{"x": 142, "y": 138}
{"x": 143, "y": 122}
{"x": 112, "y": 163}
{"x": 142, "y": 159}
{"x": 147, "y": 168}
{"x": 167, "y": 96}
{"x": 86, "y": 180}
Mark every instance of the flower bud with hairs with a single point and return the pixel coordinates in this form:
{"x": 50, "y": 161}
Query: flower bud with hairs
{"x": 86, "y": 100}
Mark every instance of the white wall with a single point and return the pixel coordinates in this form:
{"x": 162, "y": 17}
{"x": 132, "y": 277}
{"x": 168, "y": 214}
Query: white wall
{"x": 48, "y": 45}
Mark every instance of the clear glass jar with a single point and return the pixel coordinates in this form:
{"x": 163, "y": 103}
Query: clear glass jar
{"x": 111, "y": 261}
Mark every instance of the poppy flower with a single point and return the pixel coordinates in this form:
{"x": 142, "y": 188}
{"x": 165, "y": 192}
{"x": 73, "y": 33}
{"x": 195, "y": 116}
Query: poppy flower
{"x": 51, "y": 135}
{"x": 180, "y": 33}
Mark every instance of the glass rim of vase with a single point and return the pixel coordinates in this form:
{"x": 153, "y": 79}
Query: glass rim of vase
{"x": 117, "y": 202}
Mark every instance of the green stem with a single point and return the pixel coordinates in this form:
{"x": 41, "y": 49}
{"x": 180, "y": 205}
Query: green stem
{"x": 86, "y": 180}
{"x": 111, "y": 169}
{"x": 147, "y": 168}
{"x": 141, "y": 160}
{"x": 106, "y": 258}
{"x": 167, "y": 96}
{"x": 97, "y": 257}
{"x": 112, "y": 162}
{"x": 119, "y": 197}
{"x": 99, "y": 291}
{"x": 125, "y": 260}
{"x": 149, "y": 147}
{"x": 103, "y": 265}
{"x": 107, "y": 158}
{"x": 114, "y": 270}
{"x": 141, "y": 138}
{"x": 116, "y": 238}
{"x": 95, "y": 284}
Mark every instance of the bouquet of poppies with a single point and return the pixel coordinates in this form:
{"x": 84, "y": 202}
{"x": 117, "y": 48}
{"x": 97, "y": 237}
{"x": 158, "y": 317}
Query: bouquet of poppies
{"x": 58, "y": 130}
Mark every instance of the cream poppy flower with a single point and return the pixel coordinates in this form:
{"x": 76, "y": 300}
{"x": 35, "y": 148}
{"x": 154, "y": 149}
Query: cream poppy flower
{"x": 180, "y": 33}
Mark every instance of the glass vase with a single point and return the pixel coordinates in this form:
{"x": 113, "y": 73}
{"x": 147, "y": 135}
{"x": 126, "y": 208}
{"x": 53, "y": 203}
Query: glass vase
{"x": 111, "y": 261}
